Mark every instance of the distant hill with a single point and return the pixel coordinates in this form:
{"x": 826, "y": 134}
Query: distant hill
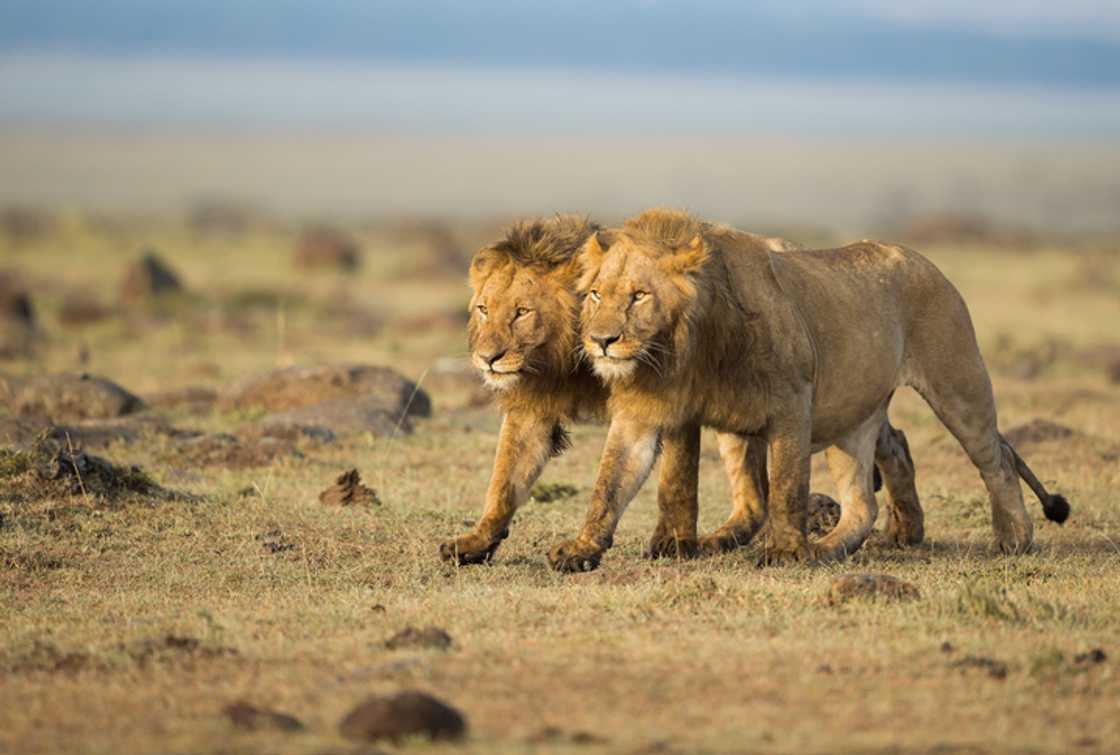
{"x": 702, "y": 36}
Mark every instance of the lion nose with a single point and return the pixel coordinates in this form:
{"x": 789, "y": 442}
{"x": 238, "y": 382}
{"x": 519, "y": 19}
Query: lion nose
{"x": 604, "y": 341}
{"x": 493, "y": 356}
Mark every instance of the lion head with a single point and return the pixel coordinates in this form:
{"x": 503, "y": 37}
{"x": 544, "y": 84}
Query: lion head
{"x": 524, "y": 309}
{"x": 640, "y": 293}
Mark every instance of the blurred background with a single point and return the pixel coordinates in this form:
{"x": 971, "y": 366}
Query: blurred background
{"x": 856, "y": 116}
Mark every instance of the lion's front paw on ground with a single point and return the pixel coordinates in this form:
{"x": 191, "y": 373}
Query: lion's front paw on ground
{"x": 669, "y": 546}
{"x": 774, "y": 554}
{"x": 575, "y": 555}
{"x": 471, "y": 548}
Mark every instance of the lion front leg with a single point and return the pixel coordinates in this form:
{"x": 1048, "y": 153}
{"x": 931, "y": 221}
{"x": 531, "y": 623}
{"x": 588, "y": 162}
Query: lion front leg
{"x": 627, "y": 459}
{"x": 790, "y": 451}
{"x": 675, "y": 534}
{"x": 525, "y": 444}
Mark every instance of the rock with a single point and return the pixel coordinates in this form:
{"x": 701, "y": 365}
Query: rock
{"x": 68, "y": 397}
{"x": 870, "y": 586}
{"x": 1038, "y": 430}
{"x": 326, "y": 421}
{"x": 404, "y": 714}
{"x": 430, "y": 637}
{"x": 296, "y": 387}
{"x": 18, "y": 329}
{"x": 148, "y": 278}
{"x": 194, "y": 398}
{"x": 823, "y": 514}
{"x": 326, "y": 249}
{"x": 248, "y": 716}
{"x": 348, "y": 490}
{"x": 455, "y": 383}
{"x": 995, "y": 669}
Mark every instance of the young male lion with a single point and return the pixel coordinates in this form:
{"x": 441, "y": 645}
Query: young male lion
{"x": 524, "y": 338}
{"x": 691, "y": 322}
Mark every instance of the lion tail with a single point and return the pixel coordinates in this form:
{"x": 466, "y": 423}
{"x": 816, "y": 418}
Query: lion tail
{"x": 1055, "y": 507}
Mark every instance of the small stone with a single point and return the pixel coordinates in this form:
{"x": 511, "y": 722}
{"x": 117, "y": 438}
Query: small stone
{"x": 404, "y": 714}
{"x": 248, "y": 716}
{"x": 870, "y": 586}
{"x": 411, "y": 637}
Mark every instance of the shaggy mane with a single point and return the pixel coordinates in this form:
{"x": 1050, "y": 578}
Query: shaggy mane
{"x": 665, "y": 227}
{"x": 548, "y": 242}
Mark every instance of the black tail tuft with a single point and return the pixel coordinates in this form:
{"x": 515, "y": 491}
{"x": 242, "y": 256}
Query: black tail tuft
{"x": 1056, "y": 508}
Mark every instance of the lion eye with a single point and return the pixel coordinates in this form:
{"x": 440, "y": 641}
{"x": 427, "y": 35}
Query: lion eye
{"x": 522, "y": 311}
{"x": 594, "y": 295}
{"x": 638, "y": 295}
{"x": 481, "y": 309}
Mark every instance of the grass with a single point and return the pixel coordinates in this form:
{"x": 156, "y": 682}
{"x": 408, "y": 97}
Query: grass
{"x": 128, "y": 628}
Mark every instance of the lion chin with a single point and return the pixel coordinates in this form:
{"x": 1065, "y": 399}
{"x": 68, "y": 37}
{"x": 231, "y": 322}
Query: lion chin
{"x": 609, "y": 369}
{"x": 500, "y": 381}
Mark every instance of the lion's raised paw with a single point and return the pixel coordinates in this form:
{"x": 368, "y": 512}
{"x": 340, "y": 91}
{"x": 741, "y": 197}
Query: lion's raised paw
{"x": 471, "y": 548}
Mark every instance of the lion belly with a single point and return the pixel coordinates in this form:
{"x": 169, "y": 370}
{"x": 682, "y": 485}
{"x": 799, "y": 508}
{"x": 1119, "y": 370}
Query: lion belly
{"x": 852, "y": 303}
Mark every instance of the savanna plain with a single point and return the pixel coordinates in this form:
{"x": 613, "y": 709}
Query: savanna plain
{"x": 136, "y": 609}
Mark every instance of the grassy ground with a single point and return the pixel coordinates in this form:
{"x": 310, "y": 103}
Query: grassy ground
{"x": 128, "y": 629}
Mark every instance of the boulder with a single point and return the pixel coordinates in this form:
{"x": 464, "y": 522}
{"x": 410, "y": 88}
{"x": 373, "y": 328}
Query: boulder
{"x": 298, "y": 387}
{"x": 68, "y": 397}
{"x": 405, "y": 714}
{"x": 148, "y": 278}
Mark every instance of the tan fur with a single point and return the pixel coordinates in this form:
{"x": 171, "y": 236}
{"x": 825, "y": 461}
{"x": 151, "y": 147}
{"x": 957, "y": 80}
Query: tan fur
{"x": 695, "y": 323}
{"x": 524, "y": 338}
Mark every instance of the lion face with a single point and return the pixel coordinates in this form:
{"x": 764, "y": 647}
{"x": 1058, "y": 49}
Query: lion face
{"x": 635, "y": 293}
{"x": 522, "y": 321}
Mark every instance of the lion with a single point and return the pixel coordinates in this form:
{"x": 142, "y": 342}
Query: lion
{"x": 524, "y": 339}
{"x": 691, "y": 322}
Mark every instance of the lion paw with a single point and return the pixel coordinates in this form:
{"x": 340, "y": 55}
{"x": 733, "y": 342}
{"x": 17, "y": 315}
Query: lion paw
{"x": 670, "y": 546}
{"x": 774, "y": 554}
{"x": 471, "y": 548}
{"x": 726, "y": 539}
{"x": 575, "y": 555}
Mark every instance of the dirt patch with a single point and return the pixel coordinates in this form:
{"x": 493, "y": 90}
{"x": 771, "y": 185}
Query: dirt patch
{"x": 348, "y": 490}
{"x": 326, "y": 249}
{"x": 69, "y": 396}
{"x": 1038, "y": 430}
{"x": 247, "y": 716}
{"x": 870, "y": 587}
{"x": 148, "y": 278}
{"x": 428, "y": 638}
{"x": 44, "y": 656}
{"x": 405, "y": 714}
{"x": 233, "y": 452}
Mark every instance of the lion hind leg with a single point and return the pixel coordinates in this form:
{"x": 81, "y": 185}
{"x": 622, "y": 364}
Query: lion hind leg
{"x": 744, "y": 461}
{"x": 962, "y": 399}
{"x": 851, "y": 463}
{"x": 905, "y": 519}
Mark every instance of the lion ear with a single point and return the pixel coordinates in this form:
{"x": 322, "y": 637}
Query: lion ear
{"x": 596, "y": 245}
{"x": 481, "y": 266}
{"x": 590, "y": 258}
{"x": 689, "y": 258}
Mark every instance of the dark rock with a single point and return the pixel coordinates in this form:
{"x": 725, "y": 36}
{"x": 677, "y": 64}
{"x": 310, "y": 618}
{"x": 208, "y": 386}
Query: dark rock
{"x": 870, "y": 586}
{"x": 823, "y": 514}
{"x": 148, "y": 278}
{"x": 326, "y": 249}
{"x": 995, "y": 669}
{"x": 68, "y": 397}
{"x": 428, "y": 638}
{"x": 1038, "y": 430}
{"x": 248, "y": 716}
{"x": 298, "y": 387}
{"x": 330, "y": 419}
{"x": 404, "y": 714}
{"x": 348, "y": 490}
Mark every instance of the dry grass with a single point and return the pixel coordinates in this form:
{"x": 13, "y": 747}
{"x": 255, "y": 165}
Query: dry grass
{"x": 130, "y": 628}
